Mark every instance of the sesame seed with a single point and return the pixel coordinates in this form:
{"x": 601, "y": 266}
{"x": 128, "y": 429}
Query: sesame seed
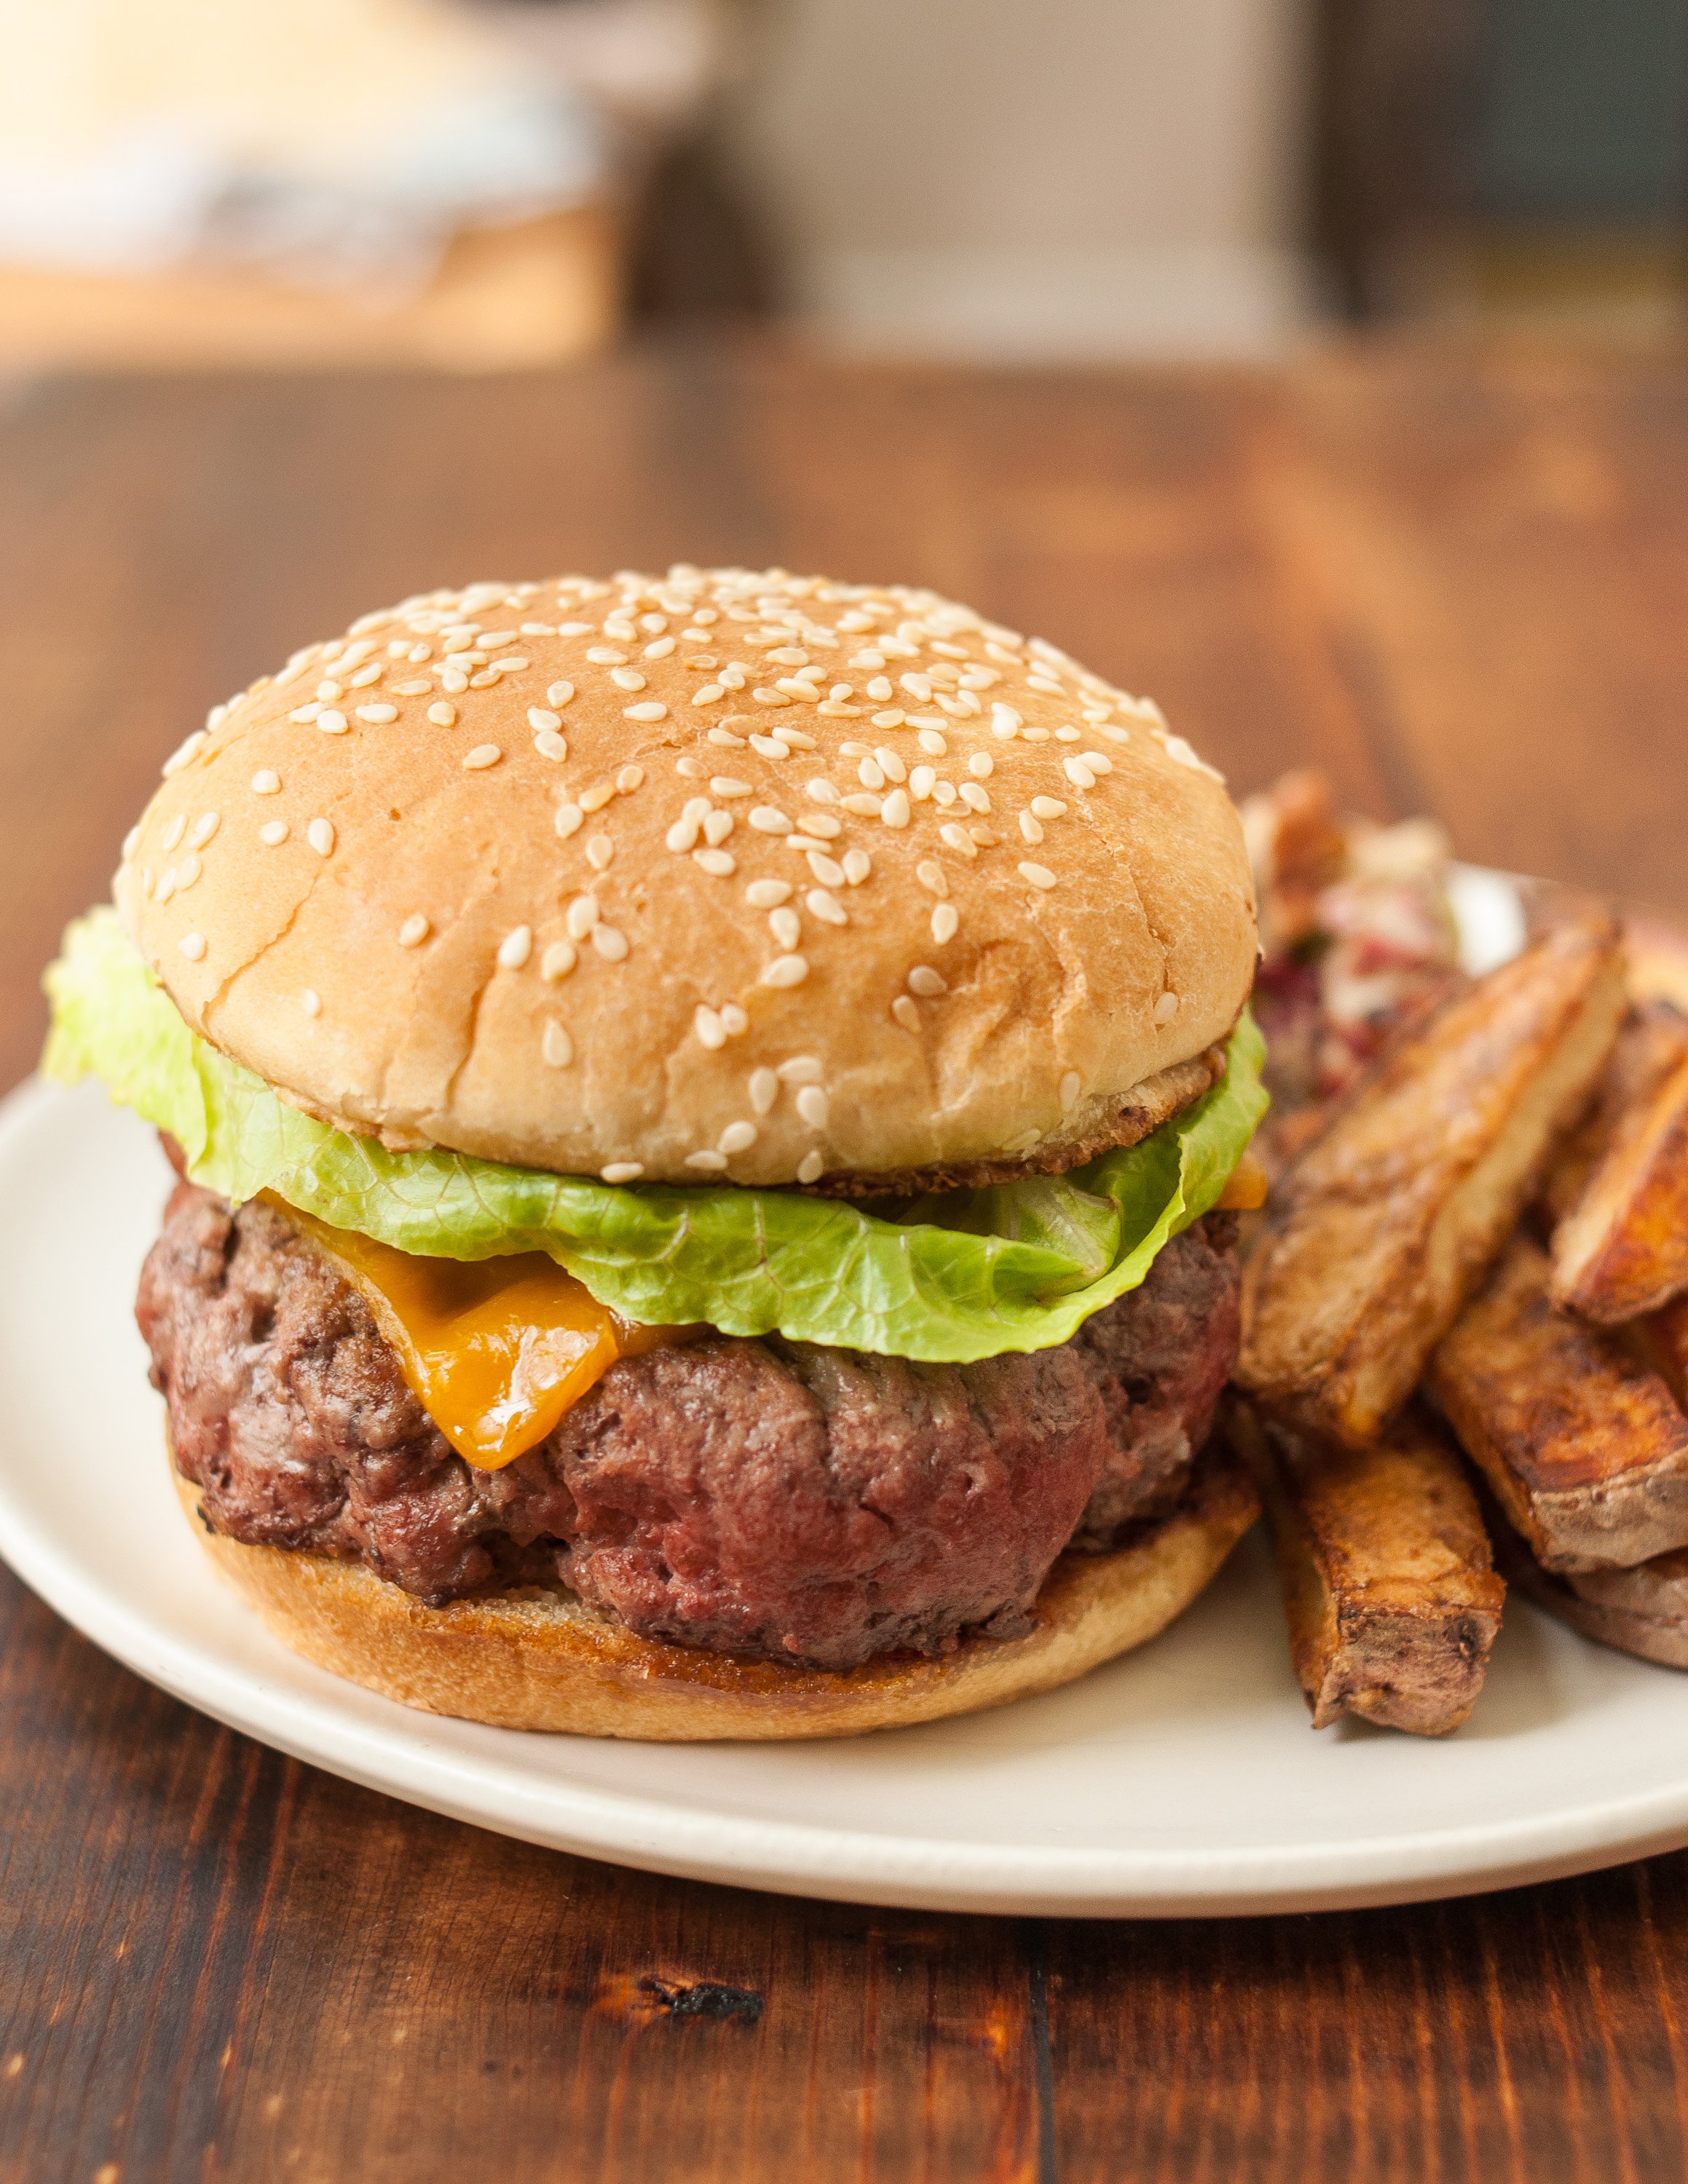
{"x": 556, "y": 1046}
{"x": 548, "y": 744}
{"x": 820, "y": 791}
{"x": 516, "y": 947}
{"x": 880, "y": 688}
{"x": 767, "y": 819}
{"x": 770, "y": 746}
{"x": 708, "y": 1163}
{"x": 810, "y": 1168}
{"x": 711, "y": 693}
{"x": 825, "y": 869}
{"x": 559, "y": 693}
{"x": 771, "y": 697}
{"x": 597, "y": 796}
{"x": 982, "y": 764}
{"x": 933, "y": 743}
{"x": 690, "y": 769}
{"x": 453, "y": 679}
{"x": 1037, "y": 876}
{"x": 1005, "y": 723}
{"x": 330, "y": 722}
{"x": 649, "y": 711}
{"x": 865, "y": 805}
{"x": 184, "y": 751}
{"x": 629, "y": 778}
{"x": 623, "y": 1171}
{"x": 581, "y": 916}
{"x": 1078, "y": 773}
{"x": 870, "y": 774}
{"x": 611, "y": 942}
{"x": 906, "y": 1013}
{"x": 569, "y": 820}
{"x": 600, "y": 853}
{"x": 826, "y": 907}
{"x": 310, "y": 1001}
{"x": 481, "y": 757}
{"x": 1064, "y": 735}
{"x": 946, "y": 920}
{"x": 1165, "y": 1008}
{"x": 785, "y": 971}
{"x": 174, "y": 833}
{"x": 976, "y": 798}
{"x": 266, "y": 782}
{"x": 1048, "y": 807}
{"x": 857, "y": 866}
{"x": 895, "y": 810}
{"x": 411, "y": 690}
{"x": 327, "y": 690}
{"x": 605, "y": 656}
{"x": 1098, "y": 761}
{"x": 377, "y": 715}
{"x": 1031, "y": 832}
{"x": 724, "y": 739}
{"x": 786, "y": 925}
{"x": 304, "y": 714}
{"x": 1070, "y": 1091}
{"x": 725, "y": 786}
{"x": 414, "y": 931}
{"x": 192, "y": 946}
{"x": 717, "y": 826}
{"x": 955, "y": 837}
{"x": 927, "y": 983}
{"x": 801, "y": 1069}
{"x": 764, "y": 1089}
{"x": 814, "y": 1106}
{"x": 557, "y": 961}
{"x": 539, "y": 717}
{"x": 443, "y": 716}
{"x": 931, "y": 874}
{"x": 190, "y": 871}
{"x": 320, "y": 833}
{"x": 273, "y": 832}
{"x": 895, "y": 718}
{"x": 987, "y": 837}
{"x": 720, "y": 863}
{"x": 737, "y": 1138}
{"x": 709, "y": 1028}
{"x": 768, "y": 894}
{"x": 485, "y": 679}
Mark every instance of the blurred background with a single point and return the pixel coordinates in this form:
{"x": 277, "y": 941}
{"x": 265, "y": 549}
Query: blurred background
{"x": 478, "y": 185}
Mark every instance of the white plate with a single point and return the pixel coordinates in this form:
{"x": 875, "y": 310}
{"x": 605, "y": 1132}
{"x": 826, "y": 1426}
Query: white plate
{"x": 1181, "y": 1778}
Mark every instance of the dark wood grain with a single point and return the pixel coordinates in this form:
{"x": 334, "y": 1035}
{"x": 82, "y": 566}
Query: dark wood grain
{"x": 1456, "y": 581}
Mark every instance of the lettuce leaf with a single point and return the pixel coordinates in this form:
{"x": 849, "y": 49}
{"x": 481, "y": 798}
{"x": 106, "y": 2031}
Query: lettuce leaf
{"x": 964, "y": 1275}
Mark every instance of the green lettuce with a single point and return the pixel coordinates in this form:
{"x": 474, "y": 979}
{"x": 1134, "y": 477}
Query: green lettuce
{"x": 962, "y": 1275}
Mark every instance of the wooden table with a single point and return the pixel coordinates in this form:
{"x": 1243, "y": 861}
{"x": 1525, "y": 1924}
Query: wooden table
{"x": 1460, "y": 584}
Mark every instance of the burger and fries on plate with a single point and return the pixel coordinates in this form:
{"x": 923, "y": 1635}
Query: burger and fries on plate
{"x": 714, "y": 1120}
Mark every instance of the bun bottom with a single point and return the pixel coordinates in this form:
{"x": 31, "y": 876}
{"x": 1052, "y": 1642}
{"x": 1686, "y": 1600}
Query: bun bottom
{"x": 537, "y": 1657}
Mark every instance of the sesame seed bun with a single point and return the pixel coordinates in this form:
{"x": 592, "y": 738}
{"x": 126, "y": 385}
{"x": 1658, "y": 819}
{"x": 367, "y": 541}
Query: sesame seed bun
{"x": 538, "y": 1658}
{"x": 603, "y": 878}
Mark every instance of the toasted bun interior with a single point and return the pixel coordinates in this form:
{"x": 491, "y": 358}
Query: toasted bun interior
{"x": 536, "y": 1658}
{"x": 718, "y": 875}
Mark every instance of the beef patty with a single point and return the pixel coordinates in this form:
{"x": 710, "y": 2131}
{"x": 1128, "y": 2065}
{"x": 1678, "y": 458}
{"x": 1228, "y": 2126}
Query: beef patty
{"x": 807, "y": 1504}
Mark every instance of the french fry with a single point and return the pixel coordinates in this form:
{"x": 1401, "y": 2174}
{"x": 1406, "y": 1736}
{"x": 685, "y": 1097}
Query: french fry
{"x": 1579, "y": 1441}
{"x": 1653, "y": 1041}
{"x": 1388, "y": 1223}
{"x": 1643, "y": 1611}
{"x": 1390, "y": 1588}
{"x": 1623, "y": 1249}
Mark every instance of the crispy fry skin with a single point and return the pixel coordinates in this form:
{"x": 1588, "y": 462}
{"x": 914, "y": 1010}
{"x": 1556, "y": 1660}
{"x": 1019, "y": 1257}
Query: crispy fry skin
{"x": 1388, "y": 1223}
{"x": 1654, "y": 1040}
{"x": 1623, "y": 1249}
{"x": 1643, "y": 1611}
{"x": 1579, "y": 1441}
{"x": 1389, "y": 1589}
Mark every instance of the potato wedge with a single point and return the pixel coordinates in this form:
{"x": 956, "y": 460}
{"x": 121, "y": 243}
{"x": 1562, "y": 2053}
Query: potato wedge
{"x": 1580, "y": 1442}
{"x": 1643, "y": 1611}
{"x": 1388, "y": 1223}
{"x": 1653, "y": 1041}
{"x": 1623, "y": 1249}
{"x": 1389, "y": 1588}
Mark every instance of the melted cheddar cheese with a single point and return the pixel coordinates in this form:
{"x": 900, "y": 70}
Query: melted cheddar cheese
{"x": 496, "y": 1350}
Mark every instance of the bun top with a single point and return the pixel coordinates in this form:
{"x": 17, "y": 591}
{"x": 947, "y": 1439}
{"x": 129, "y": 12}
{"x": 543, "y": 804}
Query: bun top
{"x": 719, "y": 874}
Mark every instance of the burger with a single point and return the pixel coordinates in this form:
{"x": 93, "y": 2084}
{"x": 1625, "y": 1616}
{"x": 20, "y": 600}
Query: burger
{"x": 705, "y": 1109}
